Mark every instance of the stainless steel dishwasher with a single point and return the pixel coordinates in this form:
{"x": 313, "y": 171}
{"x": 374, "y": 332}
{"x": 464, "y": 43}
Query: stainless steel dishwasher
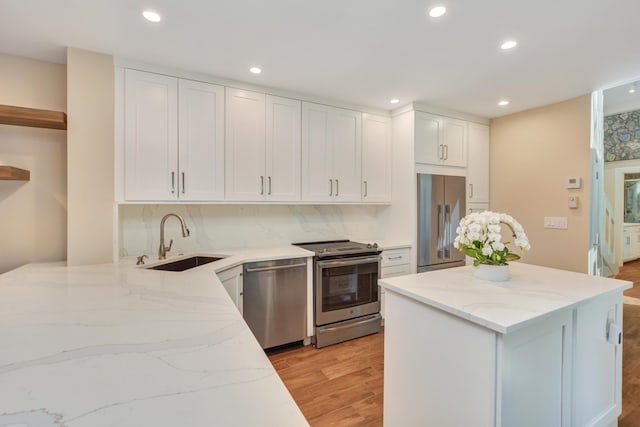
{"x": 275, "y": 300}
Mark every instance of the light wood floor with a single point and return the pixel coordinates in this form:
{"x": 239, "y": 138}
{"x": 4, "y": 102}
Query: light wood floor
{"x": 630, "y": 416}
{"x": 342, "y": 385}
{"x": 339, "y": 385}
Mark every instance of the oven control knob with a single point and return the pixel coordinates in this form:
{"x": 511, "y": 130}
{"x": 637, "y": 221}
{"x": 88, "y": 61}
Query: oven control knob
{"x": 375, "y": 245}
{"x": 369, "y": 245}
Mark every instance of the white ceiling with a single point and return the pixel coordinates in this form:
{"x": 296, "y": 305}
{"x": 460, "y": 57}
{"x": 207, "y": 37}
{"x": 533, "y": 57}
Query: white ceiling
{"x": 357, "y": 51}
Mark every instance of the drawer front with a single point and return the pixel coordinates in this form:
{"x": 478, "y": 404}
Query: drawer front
{"x": 395, "y": 257}
{"x": 394, "y": 270}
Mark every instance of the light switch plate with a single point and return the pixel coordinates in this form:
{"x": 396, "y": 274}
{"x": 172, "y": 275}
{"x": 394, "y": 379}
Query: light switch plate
{"x": 558, "y": 222}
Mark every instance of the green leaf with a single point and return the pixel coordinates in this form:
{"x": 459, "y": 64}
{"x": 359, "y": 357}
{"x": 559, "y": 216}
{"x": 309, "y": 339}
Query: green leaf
{"x": 511, "y": 256}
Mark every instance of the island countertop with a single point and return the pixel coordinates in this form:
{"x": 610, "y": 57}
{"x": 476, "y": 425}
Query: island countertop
{"x": 118, "y": 345}
{"x": 531, "y": 293}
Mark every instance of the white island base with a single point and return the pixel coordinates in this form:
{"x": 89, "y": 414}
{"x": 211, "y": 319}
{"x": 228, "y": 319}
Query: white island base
{"x": 543, "y": 349}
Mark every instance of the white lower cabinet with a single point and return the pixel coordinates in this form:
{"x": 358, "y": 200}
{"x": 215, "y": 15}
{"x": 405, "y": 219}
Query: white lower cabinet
{"x": 477, "y": 207}
{"x": 232, "y": 281}
{"x": 631, "y": 242}
{"x": 565, "y": 370}
{"x": 393, "y": 262}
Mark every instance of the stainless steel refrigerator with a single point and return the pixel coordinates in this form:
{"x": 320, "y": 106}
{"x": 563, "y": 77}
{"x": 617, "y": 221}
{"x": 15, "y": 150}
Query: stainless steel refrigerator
{"x": 441, "y": 205}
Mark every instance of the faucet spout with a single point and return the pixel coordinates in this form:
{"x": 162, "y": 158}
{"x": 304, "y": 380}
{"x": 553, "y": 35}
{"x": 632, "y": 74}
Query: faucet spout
{"x": 162, "y": 251}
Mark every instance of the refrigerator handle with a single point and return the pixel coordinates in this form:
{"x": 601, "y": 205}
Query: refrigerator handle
{"x": 446, "y": 244}
{"x": 439, "y": 239}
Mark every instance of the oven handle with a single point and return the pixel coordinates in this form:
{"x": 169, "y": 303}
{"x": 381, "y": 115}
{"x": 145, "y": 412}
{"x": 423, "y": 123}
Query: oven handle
{"x": 276, "y": 267}
{"x": 347, "y": 261}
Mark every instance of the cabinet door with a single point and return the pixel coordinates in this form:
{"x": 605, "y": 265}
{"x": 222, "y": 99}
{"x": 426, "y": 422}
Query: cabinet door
{"x": 151, "y": 136}
{"x": 635, "y": 243}
{"x": 201, "y": 141}
{"x": 283, "y": 149}
{"x": 232, "y": 281}
{"x": 455, "y": 142}
{"x": 376, "y": 158}
{"x": 598, "y": 362}
{"x": 478, "y": 168}
{"x": 245, "y": 145}
{"x": 346, "y": 139}
{"x": 429, "y": 144}
{"x": 317, "y": 181}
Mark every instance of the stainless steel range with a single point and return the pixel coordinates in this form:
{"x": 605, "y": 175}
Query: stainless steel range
{"x": 345, "y": 283}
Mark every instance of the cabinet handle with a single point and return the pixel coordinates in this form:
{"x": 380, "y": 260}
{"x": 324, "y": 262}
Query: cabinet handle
{"x": 182, "y": 182}
{"x": 261, "y": 185}
{"x": 446, "y": 152}
{"x": 441, "y": 153}
{"x": 394, "y": 257}
{"x": 365, "y": 189}
{"x": 269, "y": 192}
{"x": 330, "y": 187}
{"x": 173, "y": 182}
{"x": 337, "y": 188}
{"x": 471, "y": 191}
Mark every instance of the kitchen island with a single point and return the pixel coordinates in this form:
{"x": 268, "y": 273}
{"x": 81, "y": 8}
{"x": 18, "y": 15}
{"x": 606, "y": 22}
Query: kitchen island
{"x": 119, "y": 345}
{"x": 542, "y": 349}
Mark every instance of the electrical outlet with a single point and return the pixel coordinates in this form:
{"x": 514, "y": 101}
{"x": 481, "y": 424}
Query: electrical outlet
{"x": 558, "y": 222}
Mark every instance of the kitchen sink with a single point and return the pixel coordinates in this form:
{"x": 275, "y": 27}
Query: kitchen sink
{"x": 185, "y": 263}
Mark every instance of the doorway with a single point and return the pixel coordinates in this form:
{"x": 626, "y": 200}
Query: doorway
{"x": 615, "y": 158}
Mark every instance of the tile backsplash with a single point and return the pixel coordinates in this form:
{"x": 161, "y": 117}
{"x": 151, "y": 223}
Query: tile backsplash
{"x": 238, "y": 226}
{"x": 622, "y": 136}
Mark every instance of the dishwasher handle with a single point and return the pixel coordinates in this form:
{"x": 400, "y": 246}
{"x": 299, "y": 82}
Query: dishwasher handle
{"x": 275, "y": 267}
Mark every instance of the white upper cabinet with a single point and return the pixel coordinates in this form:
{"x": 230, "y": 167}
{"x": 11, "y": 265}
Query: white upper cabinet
{"x": 173, "y": 139}
{"x": 245, "y": 145}
{"x": 283, "y": 149}
{"x": 317, "y": 178}
{"x": 478, "y": 168}
{"x": 376, "y": 158}
{"x": 455, "y": 142}
{"x": 262, "y": 147}
{"x": 151, "y": 136}
{"x": 429, "y": 134}
{"x": 331, "y": 153}
{"x": 440, "y": 140}
{"x": 201, "y": 141}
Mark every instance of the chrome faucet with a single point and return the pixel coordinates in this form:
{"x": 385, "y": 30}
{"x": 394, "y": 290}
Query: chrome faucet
{"x": 162, "y": 252}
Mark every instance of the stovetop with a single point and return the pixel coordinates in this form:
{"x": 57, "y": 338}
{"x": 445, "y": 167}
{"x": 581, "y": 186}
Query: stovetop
{"x": 338, "y": 248}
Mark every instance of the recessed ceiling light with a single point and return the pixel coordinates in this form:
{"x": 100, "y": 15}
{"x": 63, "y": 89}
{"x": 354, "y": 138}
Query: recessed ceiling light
{"x": 509, "y": 44}
{"x": 255, "y": 70}
{"x": 632, "y": 89}
{"x": 151, "y": 16}
{"x": 437, "y": 11}
{"x": 503, "y": 103}
{"x": 394, "y": 101}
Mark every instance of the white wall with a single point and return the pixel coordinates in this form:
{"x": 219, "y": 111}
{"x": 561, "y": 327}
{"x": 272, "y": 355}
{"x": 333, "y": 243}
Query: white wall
{"x": 33, "y": 214}
{"x": 238, "y": 226}
{"x": 90, "y": 96}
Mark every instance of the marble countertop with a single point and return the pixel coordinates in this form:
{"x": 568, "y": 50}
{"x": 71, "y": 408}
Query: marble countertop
{"x": 531, "y": 293}
{"x": 118, "y": 345}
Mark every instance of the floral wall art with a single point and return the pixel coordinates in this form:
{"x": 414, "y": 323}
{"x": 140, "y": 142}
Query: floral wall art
{"x": 622, "y": 136}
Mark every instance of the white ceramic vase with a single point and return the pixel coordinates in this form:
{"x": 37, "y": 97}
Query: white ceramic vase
{"x": 494, "y": 273}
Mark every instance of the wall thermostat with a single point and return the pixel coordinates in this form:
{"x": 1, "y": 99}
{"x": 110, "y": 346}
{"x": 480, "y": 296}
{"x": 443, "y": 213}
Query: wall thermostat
{"x": 574, "y": 182}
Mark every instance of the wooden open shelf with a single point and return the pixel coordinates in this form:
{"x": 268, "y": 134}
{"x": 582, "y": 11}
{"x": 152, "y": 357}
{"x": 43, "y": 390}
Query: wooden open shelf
{"x": 9, "y": 173}
{"x": 21, "y": 116}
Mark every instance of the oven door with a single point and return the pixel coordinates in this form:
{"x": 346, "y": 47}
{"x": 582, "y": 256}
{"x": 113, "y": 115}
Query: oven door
{"x": 346, "y": 288}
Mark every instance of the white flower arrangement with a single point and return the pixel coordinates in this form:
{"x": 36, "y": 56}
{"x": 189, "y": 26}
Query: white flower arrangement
{"x": 479, "y": 237}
